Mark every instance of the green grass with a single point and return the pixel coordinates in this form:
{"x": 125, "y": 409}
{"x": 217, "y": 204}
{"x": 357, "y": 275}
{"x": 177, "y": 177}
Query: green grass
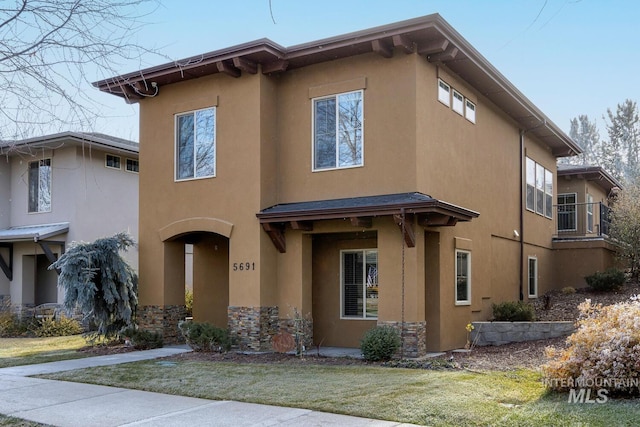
{"x": 27, "y": 351}
{"x": 440, "y": 398}
{"x": 17, "y": 422}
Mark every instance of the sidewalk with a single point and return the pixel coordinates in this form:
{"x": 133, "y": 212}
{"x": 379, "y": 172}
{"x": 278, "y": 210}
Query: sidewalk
{"x": 63, "y": 404}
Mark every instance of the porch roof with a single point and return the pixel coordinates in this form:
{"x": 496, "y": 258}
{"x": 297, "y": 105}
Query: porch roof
{"x": 403, "y": 207}
{"x": 33, "y": 233}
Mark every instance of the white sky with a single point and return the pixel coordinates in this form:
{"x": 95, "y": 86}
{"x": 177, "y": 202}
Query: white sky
{"x": 569, "y": 57}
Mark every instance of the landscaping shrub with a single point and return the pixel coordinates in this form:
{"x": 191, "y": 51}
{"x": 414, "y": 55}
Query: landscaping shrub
{"x": 513, "y": 311}
{"x": 380, "y": 343}
{"x": 56, "y": 327}
{"x": 188, "y": 302}
{"x": 609, "y": 280}
{"x": 11, "y": 325}
{"x": 602, "y": 353}
{"x": 141, "y": 339}
{"x": 568, "y": 290}
{"x": 202, "y": 336}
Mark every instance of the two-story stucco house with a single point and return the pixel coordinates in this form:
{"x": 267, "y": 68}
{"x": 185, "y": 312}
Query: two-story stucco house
{"x": 389, "y": 176}
{"x": 54, "y": 190}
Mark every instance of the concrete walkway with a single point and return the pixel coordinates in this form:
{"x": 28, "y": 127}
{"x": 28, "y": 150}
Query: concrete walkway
{"x": 62, "y": 403}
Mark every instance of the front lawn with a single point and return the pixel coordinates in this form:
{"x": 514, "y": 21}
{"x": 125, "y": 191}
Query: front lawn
{"x": 27, "y": 351}
{"x": 441, "y": 398}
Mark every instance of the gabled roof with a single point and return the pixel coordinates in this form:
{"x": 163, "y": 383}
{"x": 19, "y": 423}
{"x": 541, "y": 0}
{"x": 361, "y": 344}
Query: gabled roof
{"x": 98, "y": 140}
{"x": 590, "y": 173}
{"x": 33, "y": 233}
{"x": 430, "y": 36}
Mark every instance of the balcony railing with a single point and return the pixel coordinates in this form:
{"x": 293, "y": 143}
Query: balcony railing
{"x": 576, "y": 220}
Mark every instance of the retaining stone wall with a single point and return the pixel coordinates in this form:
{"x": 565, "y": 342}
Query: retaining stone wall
{"x": 498, "y": 333}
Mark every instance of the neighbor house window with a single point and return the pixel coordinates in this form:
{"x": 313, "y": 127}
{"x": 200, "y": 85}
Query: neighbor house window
{"x": 470, "y": 111}
{"x": 444, "y": 93}
{"x": 589, "y": 213}
{"x": 359, "y": 272}
{"x": 338, "y": 131}
{"x": 533, "y": 277}
{"x": 40, "y": 186}
{"x": 458, "y": 102}
{"x": 132, "y": 166}
{"x": 463, "y": 277}
{"x": 567, "y": 212}
{"x": 539, "y": 189}
{"x": 112, "y": 161}
{"x": 196, "y": 144}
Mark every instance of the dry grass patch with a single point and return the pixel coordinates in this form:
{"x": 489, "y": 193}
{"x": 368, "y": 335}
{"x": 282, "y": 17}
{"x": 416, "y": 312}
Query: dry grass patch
{"x": 27, "y": 351}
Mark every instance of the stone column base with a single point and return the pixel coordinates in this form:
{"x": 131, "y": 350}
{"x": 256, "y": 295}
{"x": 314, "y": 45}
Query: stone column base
{"x": 162, "y": 319}
{"x": 414, "y": 337}
{"x": 253, "y": 327}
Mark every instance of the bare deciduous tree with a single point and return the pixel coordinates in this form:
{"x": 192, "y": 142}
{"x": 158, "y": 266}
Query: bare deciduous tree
{"x": 51, "y": 49}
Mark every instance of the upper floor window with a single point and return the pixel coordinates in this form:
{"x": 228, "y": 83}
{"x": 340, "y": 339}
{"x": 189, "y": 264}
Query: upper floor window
{"x": 567, "y": 212}
{"x": 589, "y": 213}
{"x": 539, "y": 189}
{"x": 132, "y": 165}
{"x": 337, "y": 131}
{"x": 112, "y": 161}
{"x": 458, "y": 102}
{"x": 196, "y": 144}
{"x": 470, "y": 111}
{"x": 40, "y": 186}
{"x": 359, "y": 284}
{"x": 463, "y": 277}
{"x": 444, "y": 93}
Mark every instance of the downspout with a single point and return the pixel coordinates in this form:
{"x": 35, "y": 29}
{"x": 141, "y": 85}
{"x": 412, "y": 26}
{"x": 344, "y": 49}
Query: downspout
{"x": 522, "y": 204}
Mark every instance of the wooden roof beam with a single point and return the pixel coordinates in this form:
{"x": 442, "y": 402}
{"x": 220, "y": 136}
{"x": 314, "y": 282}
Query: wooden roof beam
{"x": 433, "y": 47}
{"x": 437, "y": 220}
{"x": 228, "y": 69}
{"x": 275, "y": 67}
{"x": 409, "y": 234}
{"x": 302, "y": 225}
{"x": 403, "y": 42}
{"x": 382, "y": 48}
{"x": 276, "y": 233}
{"x": 448, "y": 55}
{"x": 245, "y": 65}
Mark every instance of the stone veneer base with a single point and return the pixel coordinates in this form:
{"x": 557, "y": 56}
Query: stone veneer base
{"x": 163, "y": 320}
{"x": 253, "y": 327}
{"x": 414, "y": 337}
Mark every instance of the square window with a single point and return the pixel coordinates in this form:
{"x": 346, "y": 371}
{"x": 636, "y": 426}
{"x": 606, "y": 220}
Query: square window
{"x": 463, "y": 277}
{"x": 458, "y": 102}
{"x": 132, "y": 165}
{"x": 359, "y": 287}
{"x": 470, "y": 111}
{"x": 338, "y": 131}
{"x": 196, "y": 144}
{"x": 444, "y": 93}
{"x": 112, "y": 161}
{"x": 533, "y": 277}
{"x": 40, "y": 186}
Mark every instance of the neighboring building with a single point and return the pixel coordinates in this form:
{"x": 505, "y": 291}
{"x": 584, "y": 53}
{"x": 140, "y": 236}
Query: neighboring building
{"x": 55, "y": 190}
{"x": 378, "y": 177}
{"x": 582, "y": 240}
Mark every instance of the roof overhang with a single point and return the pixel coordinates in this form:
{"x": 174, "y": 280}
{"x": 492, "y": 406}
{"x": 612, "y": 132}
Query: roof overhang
{"x": 55, "y": 141}
{"x": 405, "y": 208}
{"x": 33, "y": 233}
{"x": 590, "y": 173}
{"x": 429, "y": 36}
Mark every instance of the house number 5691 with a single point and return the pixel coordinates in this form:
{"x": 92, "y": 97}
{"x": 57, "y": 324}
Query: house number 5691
{"x": 244, "y": 266}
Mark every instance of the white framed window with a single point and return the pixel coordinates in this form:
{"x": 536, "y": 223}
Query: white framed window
{"x": 567, "y": 212}
{"x": 444, "y": 93}
{"x": 112, "y": 161}
{"x": 132, "y": 165}
{"x": 458, "y": 102}
{"x": 532, "y": 276}
{"x": 338, "y": 140}
{"x": 463, "y": 277}
{"x": 589, "y": 213}
{"x": 40, "y": 186}
{"x": 470, "y": 111}
{"x": 359, "y": 284}
{"x": 195, "y": 144}
{"x": 539, "y": 189}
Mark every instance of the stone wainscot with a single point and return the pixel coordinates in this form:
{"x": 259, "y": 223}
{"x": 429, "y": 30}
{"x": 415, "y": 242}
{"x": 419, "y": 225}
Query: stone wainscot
{"x": 498, "y": 333}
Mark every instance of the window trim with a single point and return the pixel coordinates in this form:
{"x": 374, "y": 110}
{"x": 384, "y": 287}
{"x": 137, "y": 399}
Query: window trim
{"x": 455, "y": 106}
{"x": 29, "y": 211}
{"x": 313, "y": 132}
{"x": 470, "y": 116}
{"x": 535, "y": 276}
{"x": 214, "y": 108}
{"x": 455, "y": 289}
{"x": 441, "y": 91}
{"x": 134, "y": 160}
{"x": 532, "y": 181}
{"x": 106, "y": 161}
{"x": 364, "y": 284}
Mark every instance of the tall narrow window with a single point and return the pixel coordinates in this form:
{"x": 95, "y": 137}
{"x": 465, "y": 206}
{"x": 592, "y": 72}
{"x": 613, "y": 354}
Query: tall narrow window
{"x": 196, "y": 144}
{"x": 589, "y": 213}
{"x": 338, "y": 131}
{"x": 444, "y": 93}
{"x": 567, "y": 211}
{"x": 548, "y": 194}
{"x": 463, "y": 277}
{"x": 359, "y": 284}
{"x": 470, "y": 111}
{"x": 40, "y": 186}
{"x": 533, "y": 277}
{"x": 539, "y": 189}
{"x": 531, "y": 185}
{"x": 458, "y": 102}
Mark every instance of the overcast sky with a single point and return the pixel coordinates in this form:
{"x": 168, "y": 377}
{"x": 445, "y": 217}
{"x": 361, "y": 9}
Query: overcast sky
{"x": 569, "y": 57}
